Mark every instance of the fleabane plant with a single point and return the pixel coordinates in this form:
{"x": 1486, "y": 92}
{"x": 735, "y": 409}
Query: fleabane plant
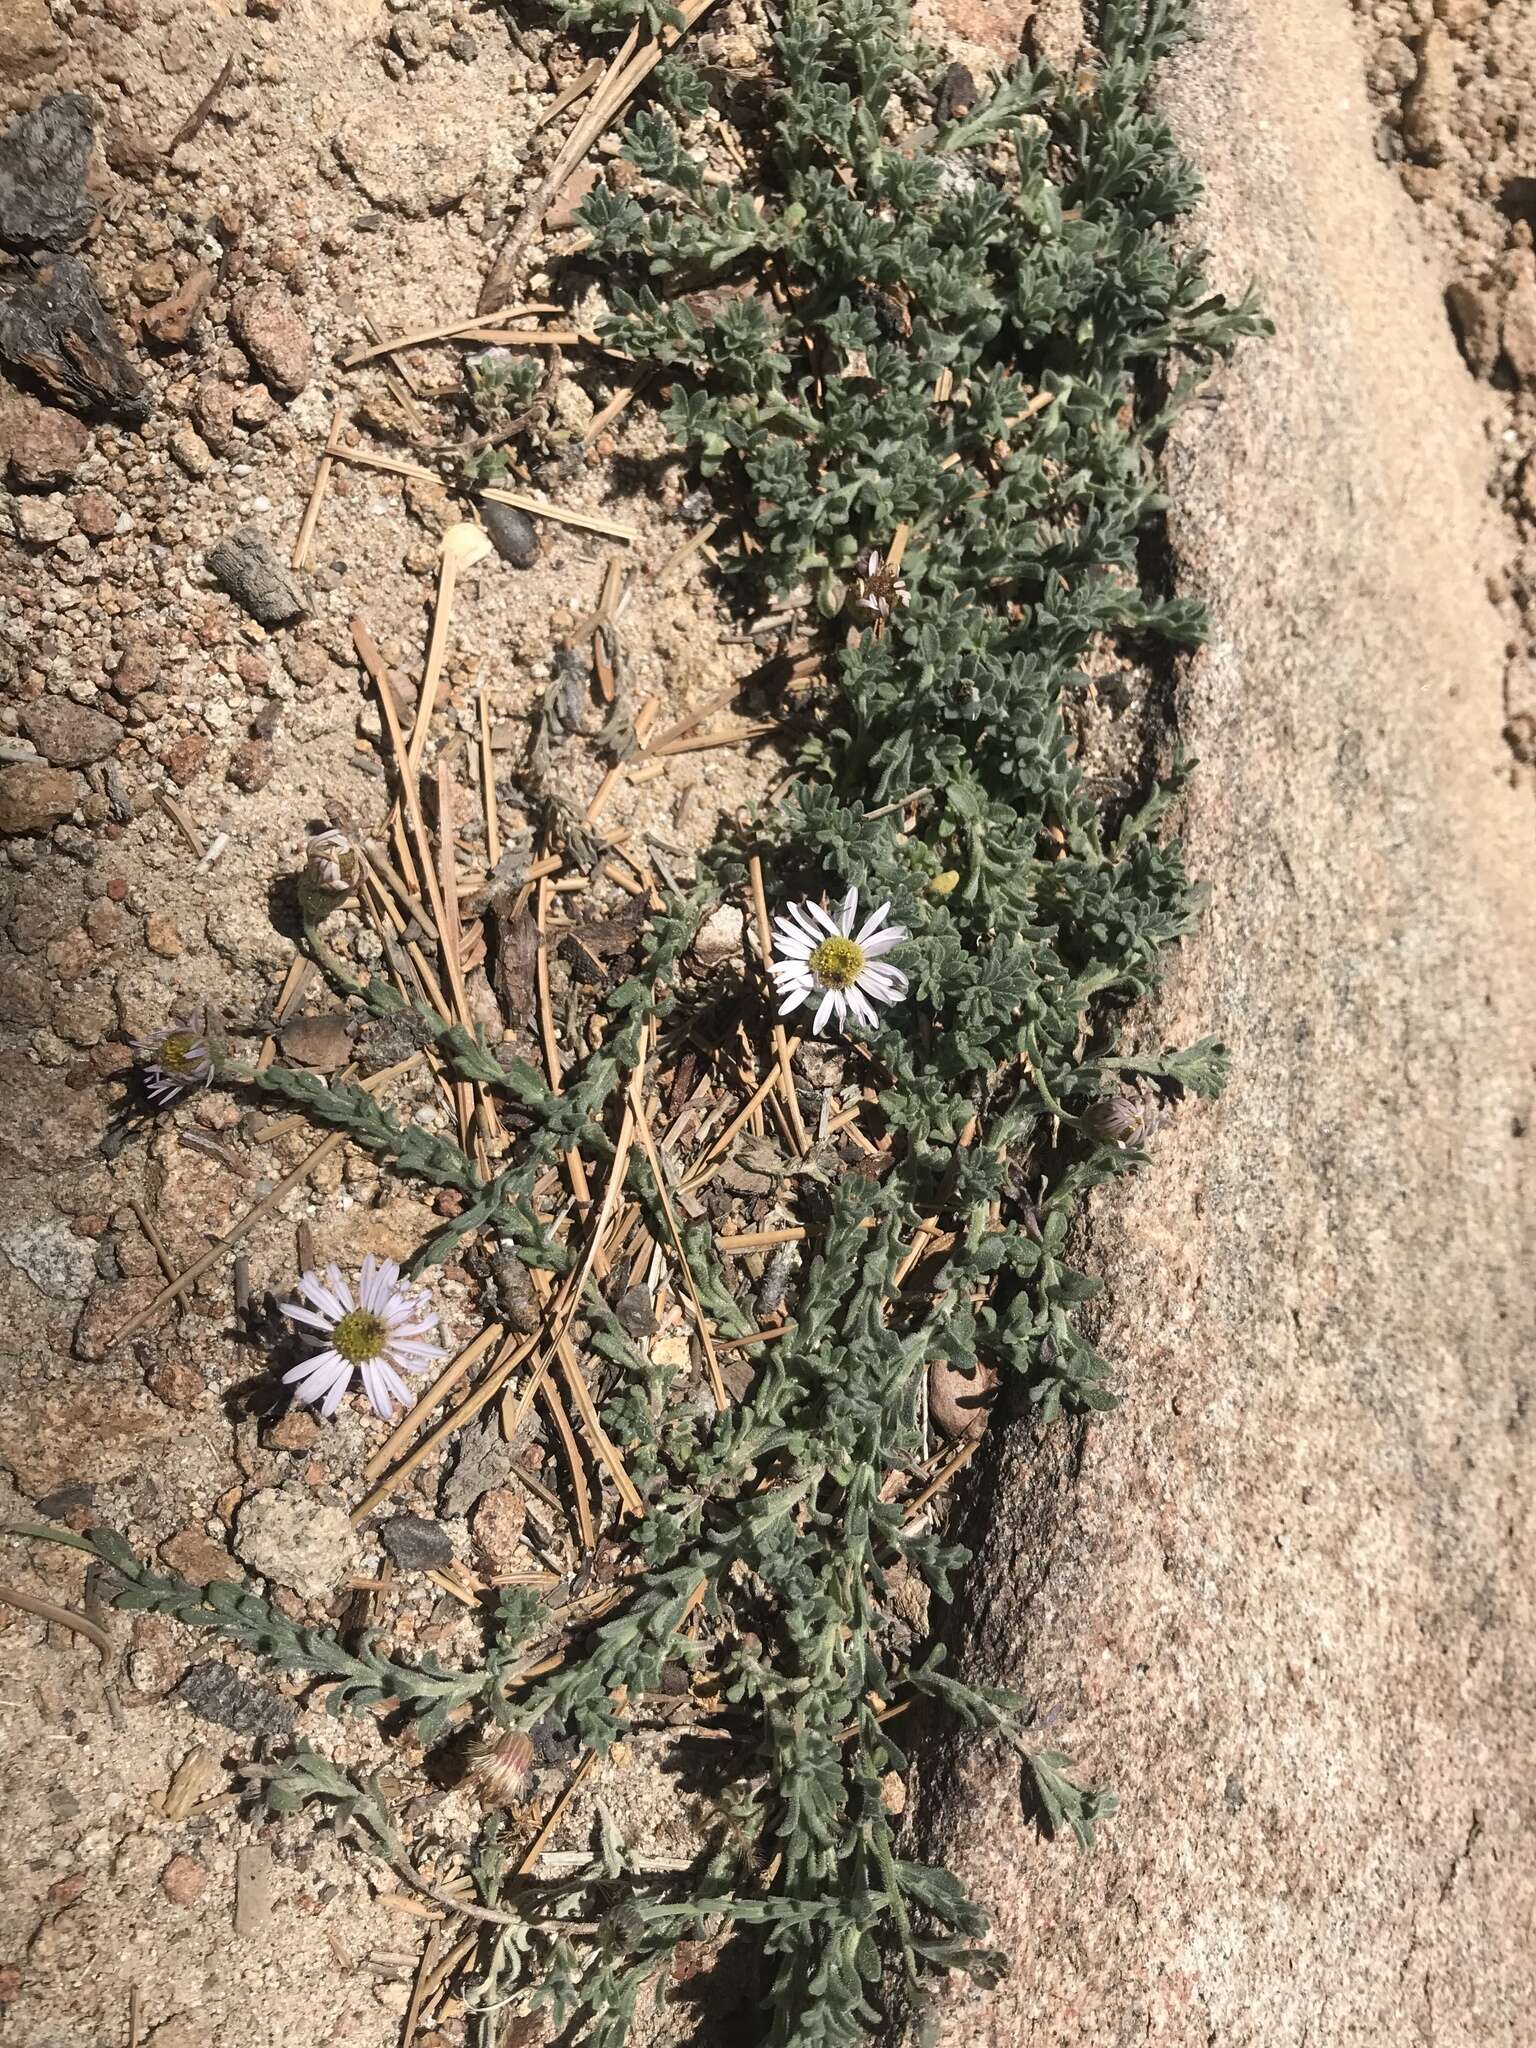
{"x": 957, "y": 342}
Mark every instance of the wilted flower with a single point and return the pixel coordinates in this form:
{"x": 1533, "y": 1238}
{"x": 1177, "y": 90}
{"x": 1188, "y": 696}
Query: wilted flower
{"x": 499, "y": 1765}
{"x": 876, "y": 590}
{"x": 331, "y": 869}
{"x": 1117, "y": 1120}
{"x": 382, "y": 1331}
{"x": 174, "y": 1063}
{"x": 823, "y": 956}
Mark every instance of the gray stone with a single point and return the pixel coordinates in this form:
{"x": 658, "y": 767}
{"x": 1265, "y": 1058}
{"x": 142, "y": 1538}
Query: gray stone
{"x": 52, "y": 1257}
{"x": 414, "y": 1544}
{"x": 216, "y": 1693}
{"x": 246, "y": 566}
{"x": 513, "y": 534}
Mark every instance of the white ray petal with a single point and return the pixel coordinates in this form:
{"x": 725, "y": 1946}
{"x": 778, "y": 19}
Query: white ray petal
{"x": 407, "y": 1354}
{"x": 887, "y": 982}
{"x": 314, "y": 1289}
{"x": 392, "y": 1383}
{"x": 300, "y": 1314}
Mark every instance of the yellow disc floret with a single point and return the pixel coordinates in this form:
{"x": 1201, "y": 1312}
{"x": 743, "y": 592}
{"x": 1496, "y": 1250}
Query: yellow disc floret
{"x": 359, "y": 1336}
{"x": 837, "y": 963}
{"x": 175, "y": 1051}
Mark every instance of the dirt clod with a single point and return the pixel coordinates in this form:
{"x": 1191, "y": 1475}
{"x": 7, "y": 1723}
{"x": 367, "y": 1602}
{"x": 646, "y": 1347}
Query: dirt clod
{"x": 67, "y": 734}
{"x": 497, "y": 1526}
{"x": 177, "y": 1385}
{"x": 297, "y": 1541}
{"x": 44, "y": 445}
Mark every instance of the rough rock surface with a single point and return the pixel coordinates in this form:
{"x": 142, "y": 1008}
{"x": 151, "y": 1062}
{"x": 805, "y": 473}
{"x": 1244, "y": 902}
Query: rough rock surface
{"x": 297, "y": 1541}
{"x": 34, "y": 796}
{"x": 1283, "y": 1599}
{"x": 69, "y": 735}
{"x": 268, "y": 326}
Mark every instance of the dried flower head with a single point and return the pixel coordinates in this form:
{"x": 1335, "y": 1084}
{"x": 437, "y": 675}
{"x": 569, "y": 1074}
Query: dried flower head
{"x": 331, "y": 869}
{"x": 820, "y": 955}
{"x": 876, "y": 590}
{"x": 382, "y": 1331}
{"x": 499, "y": 1765}
{"x": 1117, "y": 1120}
{"x": 174, "y": 1063}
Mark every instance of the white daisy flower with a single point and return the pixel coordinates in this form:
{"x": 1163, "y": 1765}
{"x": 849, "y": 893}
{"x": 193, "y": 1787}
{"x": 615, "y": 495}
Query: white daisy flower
{"x": 173, "y": 1063}
{"x": 825, "y": 956}
{"x": 382, "y": 1331}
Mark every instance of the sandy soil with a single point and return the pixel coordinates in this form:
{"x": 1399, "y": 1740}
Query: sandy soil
{"x": 346, "y": 183}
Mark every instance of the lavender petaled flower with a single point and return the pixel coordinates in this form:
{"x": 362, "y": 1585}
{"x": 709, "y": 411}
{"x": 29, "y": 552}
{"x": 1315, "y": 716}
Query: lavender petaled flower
{"x": 173, "y": 1063}
{"x": 822, "y": 955}
{"x": 382, "y": 1330}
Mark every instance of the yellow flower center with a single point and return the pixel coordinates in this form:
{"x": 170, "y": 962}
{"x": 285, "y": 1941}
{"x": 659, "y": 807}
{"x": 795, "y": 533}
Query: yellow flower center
{"x": 837, "y": 963}
{"x": 359, "y": 1336}
{"x": 175, "y": 1053}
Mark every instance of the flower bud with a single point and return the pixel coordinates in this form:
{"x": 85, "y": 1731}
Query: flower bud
{"x": 331, "y": 871}
{"x": 1116, "y": 1120}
